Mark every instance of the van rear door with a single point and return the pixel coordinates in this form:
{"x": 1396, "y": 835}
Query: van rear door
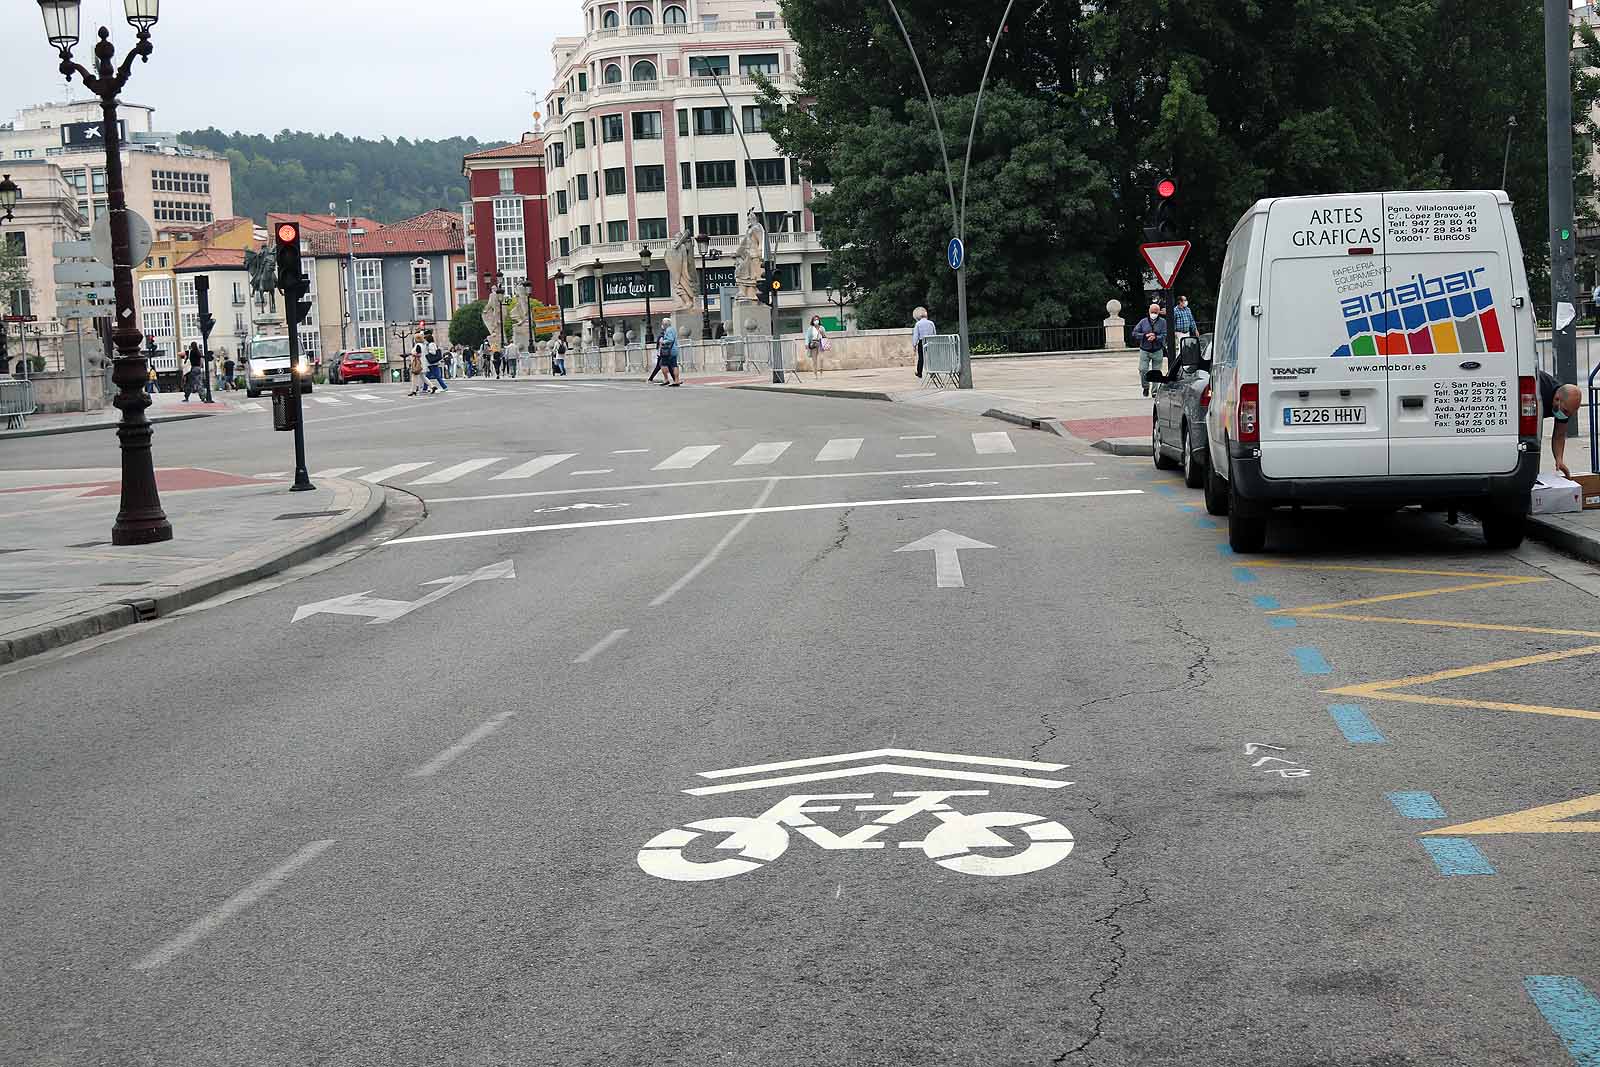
{"x": 1453, "y": 366}
{"x": 1324, "y": 391}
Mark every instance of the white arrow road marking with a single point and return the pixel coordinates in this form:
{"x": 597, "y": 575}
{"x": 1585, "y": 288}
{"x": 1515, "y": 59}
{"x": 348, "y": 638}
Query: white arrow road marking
{"x": 945, "y": 547}
{"x": 380, "y": 611}
{"x": 879, "y": 753}
{"x": 881, "y": 768}
{"x": 994, "y": 443}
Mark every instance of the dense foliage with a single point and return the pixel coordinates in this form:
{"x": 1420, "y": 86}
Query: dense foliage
{"x": 1088, "y": 105}
{"x": 385, "y": 180}
{"x": 466, "y": 325}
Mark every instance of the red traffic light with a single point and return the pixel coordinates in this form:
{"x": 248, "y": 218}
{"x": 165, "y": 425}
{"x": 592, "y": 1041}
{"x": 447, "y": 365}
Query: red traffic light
{"x": 1166, "y": 188}
{"x": 288, "y": 233}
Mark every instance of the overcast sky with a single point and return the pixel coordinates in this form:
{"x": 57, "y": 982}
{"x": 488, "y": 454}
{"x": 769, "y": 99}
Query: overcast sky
{"x": 422, "y": 69}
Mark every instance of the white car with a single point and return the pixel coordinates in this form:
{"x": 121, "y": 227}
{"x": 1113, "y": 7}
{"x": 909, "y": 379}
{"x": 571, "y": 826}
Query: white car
{"x": 1374, "y": 349}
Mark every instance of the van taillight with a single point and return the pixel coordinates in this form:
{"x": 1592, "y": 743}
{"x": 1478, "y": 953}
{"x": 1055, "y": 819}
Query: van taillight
{"x": 1249, "y": 412}
{"x": 1527, "y": 407}
{"x": 1205, "y": 397}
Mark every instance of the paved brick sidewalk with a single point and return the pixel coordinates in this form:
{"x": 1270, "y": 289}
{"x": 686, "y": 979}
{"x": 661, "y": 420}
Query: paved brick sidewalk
{"x": 61, "y": 579}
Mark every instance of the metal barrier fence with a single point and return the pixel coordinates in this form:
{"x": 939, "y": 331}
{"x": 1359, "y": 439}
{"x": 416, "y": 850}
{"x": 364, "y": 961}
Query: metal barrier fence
{"x": 1588, "y": 367}
{"x": 941, "y": 360}
{"x": 16, "y": 402}
{"x": 1062, "y": 339}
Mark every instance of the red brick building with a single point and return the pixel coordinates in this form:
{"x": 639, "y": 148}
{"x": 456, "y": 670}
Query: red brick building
{"x": 507, "y": 221}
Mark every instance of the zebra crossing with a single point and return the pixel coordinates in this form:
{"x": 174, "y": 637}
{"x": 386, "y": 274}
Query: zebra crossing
{"x": 458, "y": 387}
{"x": 762, "y": 454}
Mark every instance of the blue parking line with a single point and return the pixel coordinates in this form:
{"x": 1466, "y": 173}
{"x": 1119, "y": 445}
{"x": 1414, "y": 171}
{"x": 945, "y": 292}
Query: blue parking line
{"x": 1244, "y": 574}
{"x": 1572, "y": 1011}
{"x": 1310, "y": 661}
{"x": 1204, "y": 524}
{"x": 1166, "y": 490}
{"x": 1354, "y": 724}
{"x": 1456, "y": 856}
{"x": 1224, "y": 550}
{"x": 1188, "y": 507}
{"x": 1281, "y": 623}
{"x": 1415, "y": 805}
{"x": 1268, "y": 603}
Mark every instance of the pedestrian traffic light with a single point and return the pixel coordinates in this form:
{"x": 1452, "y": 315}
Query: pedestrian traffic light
{"x": 1166, "y": 226}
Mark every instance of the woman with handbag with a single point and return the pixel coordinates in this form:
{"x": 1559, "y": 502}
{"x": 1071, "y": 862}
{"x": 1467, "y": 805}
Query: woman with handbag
{"x": 816, "y": 343}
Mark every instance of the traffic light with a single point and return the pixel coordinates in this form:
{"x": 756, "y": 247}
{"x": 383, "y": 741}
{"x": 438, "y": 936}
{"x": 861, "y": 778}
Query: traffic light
{"x": 1166, "y": 226}
{"x": 202, "y": 292}
{"x": 291, "y": 275}
{"x": 769, "y": 285}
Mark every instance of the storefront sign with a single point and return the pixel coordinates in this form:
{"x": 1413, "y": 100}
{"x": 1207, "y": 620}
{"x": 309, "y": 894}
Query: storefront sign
{"x": 631, "y": 286}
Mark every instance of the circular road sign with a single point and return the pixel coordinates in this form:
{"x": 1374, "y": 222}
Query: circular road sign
{"x": 956, "y": 254}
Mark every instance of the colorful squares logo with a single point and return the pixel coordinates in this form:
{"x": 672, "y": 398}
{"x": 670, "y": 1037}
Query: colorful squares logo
{"x": 1446, "y": 325}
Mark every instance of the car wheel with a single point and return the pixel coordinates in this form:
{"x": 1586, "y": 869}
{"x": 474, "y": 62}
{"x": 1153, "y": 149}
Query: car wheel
{"x": 1503, "y": 530}
{"x": 1247, "y": 523}
{"x": 1216, "y": 492}
{"x": 1194, "y": 470}
{"x": 1160, "y": 457}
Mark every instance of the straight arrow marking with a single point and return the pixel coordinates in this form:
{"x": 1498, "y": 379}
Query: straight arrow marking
{"x": 945, "y": 547}
{"x": 877, "y": 753}
{"x": 379, "y": 611}
{"x": 881, "y": 768}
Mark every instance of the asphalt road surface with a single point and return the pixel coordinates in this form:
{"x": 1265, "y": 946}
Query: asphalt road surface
{"x": 785, "y": 730}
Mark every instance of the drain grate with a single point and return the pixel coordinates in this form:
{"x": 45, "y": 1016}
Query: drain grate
{"x": 311, "y": 514}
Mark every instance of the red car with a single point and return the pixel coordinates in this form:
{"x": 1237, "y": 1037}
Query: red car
{"x": 357, "y": 365}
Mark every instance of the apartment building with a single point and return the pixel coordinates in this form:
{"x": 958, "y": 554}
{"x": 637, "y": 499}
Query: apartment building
{"x": 506, "y": 219}
{"x": 46, "y": 213}
{"x": 641, "y": 143}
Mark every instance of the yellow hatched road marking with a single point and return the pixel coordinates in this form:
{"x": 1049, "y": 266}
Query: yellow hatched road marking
{"x": 1414, "y": 595}
{"x": 1384, "y": 690}
{"x": 1286, "y": 565}
{"x": 1447, "y": 623}
{"x": 1549, "y": 819}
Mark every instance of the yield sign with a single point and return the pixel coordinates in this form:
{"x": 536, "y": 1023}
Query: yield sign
{"x": 1165, "y": 259}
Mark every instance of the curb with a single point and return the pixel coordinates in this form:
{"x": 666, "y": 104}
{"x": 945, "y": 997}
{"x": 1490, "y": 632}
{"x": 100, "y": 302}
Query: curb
{"x": 1122, "y": 446}
{"x": 51, "y": 431}
{"x": 1048, "y": 425}
{"x": 160, "y": 600}
{"x": 1584, "y": 546}
{"x": 841, "y": 394}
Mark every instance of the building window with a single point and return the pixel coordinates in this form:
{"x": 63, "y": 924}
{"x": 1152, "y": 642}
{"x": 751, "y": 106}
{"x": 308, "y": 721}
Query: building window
{"x": 23, "y": 153}
{"x": 369, "y": 293}
{"x": 180, "y": 181}
{"x": 583, "y": 235}
{"x": 509, "y": 254}
{"x": 708, "y": 24}
{"x": 705, "y": 66}
{"x": 155, "y": 312}
{"x": 647, "y": 125}
{"x": 586, "y": 290}
{"x": 610, "y": 128}
{"x": 716, "y": 174}
{"x": 612, "y": 74}
{"x": 370, "y": 336}
{"x": 710, "y": 121}
{"x": 719, "y": 225}
{"x": 685, "y": 175}
{"x": 508, "y": 180}
{"x": 652, "y": 229}
{"x": 186, "y": 293}
{"x": 561, "y": 201}
{"x": 583, "y": 81}
{"x": 821, "y": 278}
{"x": 683, "y": 122}
{"x": 616, "y": 181}
{"x": 674, "y": 16}
{"x": 608, "y": 21}
{"x": 99, "y": 185}
{"x": 20, "y": 301}
{"x": 182, "y": 211}
{"x": 577, "y": 136}
{"x": 755, "y": 119}
{"x": 651, "y": 178}
{"x": 789, "y": 277}
{"x": 583, "y": 187}
{"x": 238, "y": 294}
{"x": 764, "y": 172}
{"x": 507, "y": 215}
{"x": 421, "y": 274}
{"x": 782, "y": 222}
{"x": 238, "y": 324}
{"x": 644, "y": 71}
{"x": 566, "y": 247}
{"x": 765, "y": 63}
{"x": 564, "y": 295}
{"x": 617, "y": 232}
{"x": 558, "y": 155}
{"x": 422, "y": 305}
{"x": 639, "y": 16}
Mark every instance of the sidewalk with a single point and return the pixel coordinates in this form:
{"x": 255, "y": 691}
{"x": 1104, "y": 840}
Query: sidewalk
{"x": 165, "y": 407}
{"x": 61, "y": 580}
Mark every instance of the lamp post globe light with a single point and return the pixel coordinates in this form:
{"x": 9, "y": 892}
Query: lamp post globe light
{"x": 10, "y": 193}
{"x": 140, "y": 520}
{"x": 645, "y": 258}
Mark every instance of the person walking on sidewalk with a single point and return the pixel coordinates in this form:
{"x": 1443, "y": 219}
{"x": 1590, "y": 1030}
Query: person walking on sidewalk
{"x": 1151, "y": 334}
{"x": 816, "y": 343}
{"x": 669, "y": 353}
{"x": 1183, "y": 324}
{"x": 419, "y": 384}
{"x": 435, "y": 371}
{"x": 558, "y": 362}
{"x": 228, "y": 367}
{"x": 923, "y": 330}
{"x": 512, "y": 353}
{"x": 195, "y": 380}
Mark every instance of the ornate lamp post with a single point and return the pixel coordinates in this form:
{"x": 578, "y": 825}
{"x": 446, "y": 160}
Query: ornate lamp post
{"x": 10, "y": 193}
{"x": 839, "y": 298}
{"x": 645, "y": 258}
{"x": 706, "y": 253}
{"x": 527, "y": 292}
{"x": 600, "y": 294}
{"x": 140, "y": 521}
{"x": 561, "y": 309}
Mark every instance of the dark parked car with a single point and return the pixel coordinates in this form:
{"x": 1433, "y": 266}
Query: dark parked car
{"x": 1178, "y": 416}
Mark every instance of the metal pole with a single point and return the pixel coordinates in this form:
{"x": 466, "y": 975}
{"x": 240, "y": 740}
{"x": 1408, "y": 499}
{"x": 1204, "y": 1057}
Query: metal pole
{"x": 83, "y": 383}
{"x": 1505, "y": 163}
{"x": 1558, "y": 149}
{"x": 302, "y": 480}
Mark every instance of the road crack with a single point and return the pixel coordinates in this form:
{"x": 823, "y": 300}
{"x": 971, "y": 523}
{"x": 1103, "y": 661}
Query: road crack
{"x": 836, "y": 544}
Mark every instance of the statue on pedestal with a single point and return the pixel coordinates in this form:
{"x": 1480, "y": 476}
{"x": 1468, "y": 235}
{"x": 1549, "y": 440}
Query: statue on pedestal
{"x": 262, "y": 267}
{"x": 493, "y": 317}
{"x": 751, "y": 257}
{"x": 680, "y": 269}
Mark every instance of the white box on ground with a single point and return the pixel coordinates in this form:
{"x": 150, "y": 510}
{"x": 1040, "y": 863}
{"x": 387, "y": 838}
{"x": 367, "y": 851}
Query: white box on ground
{"x": 1555, "y": 495}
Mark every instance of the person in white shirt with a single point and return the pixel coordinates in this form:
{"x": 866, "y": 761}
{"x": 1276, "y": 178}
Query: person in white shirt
{"x": 923, "y": 330}
{"x": 816, "y": 343}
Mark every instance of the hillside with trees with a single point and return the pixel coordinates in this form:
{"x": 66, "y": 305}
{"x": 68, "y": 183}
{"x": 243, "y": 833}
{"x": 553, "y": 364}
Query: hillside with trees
{"x": 386, "y": 180}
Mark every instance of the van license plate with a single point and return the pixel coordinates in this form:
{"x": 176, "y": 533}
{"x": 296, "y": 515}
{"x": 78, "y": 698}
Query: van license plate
{"x": 1324, "y": 416}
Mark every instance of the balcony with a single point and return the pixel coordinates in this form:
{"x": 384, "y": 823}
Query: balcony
{"x": 682, "y": 29}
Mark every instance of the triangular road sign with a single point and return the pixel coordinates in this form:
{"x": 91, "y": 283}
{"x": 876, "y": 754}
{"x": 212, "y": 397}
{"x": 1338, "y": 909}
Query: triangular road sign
{"x": 1165, "y": 259}
{"x": 1551, "y": 819}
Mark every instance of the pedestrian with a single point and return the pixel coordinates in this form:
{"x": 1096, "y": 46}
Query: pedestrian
{"x": 512, "y": 354}
{"x": 1183, "y": 324}
{"x": 1152, "y": 337}
{"x": 1561, "y": 403}
{"x": 558, "y": 364}
{"x": 661, "y": 359}
{"x": 194, "y": 378}
{"x": 816, "y": 343}
{"x": 419, "y": 384}
{"x": 499, "y": 362}
{"x": 152, "y": 386}
{"x": 228, "y": 367}
{"x": 920, "y": 332}
{"x": 669, "y": 352}
{"x": 435, "y": 370}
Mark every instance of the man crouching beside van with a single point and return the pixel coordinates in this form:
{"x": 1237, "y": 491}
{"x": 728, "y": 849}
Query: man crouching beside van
{"x": 1559, "y": 402}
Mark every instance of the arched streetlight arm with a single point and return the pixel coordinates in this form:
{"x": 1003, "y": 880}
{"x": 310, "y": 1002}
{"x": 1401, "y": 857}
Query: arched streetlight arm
{"x": 977, "y": 107}
{"x": 933, "y": 110}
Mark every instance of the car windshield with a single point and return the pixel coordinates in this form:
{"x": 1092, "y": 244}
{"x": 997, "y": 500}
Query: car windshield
{"x": 270, "y": 348}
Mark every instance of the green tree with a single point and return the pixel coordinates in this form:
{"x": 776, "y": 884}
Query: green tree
{"x": 14, "y": 275}
{"x": 466, "y": 325}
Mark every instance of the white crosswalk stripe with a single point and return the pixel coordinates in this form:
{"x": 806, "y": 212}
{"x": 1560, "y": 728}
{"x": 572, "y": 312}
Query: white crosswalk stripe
{"x": 392, "y": 472}
{"x": 326, "y": 400}
{"x": 764, "y": 453}
{"x": 251, "y": 405}
{"x": 840, "y": 448}
{"x": 989, "y": 444}
{"x": 684, "y": 458}
{"x": 372, "y": 397}
{"x": 451, "y": 473}
{"x": 533, "y": 466}
{"x": 334, "y": 472}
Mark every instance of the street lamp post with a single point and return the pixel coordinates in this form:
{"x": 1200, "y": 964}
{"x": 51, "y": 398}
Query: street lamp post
{"x": 140, "y": 519}
{"x": 707, "y": 253}
{"x": 645, "y": 256}
{"x": 600, "y": 294}
{"x": 527, "y": 293}
{"x": 10, "y": 193}
{"x": 561, "y": 309}
{"x": 838, "y": 298}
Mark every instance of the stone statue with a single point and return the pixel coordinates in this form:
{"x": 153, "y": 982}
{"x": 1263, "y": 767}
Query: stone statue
{"x": 493, "y": 316}
{"x": 750, "y": 257}
{"x": 262, "y": 267}
{"x": 680, "y": 269}
{"x": 522, "y": 322}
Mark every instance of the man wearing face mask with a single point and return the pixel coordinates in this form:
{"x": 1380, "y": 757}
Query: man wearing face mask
{"x": 1561, "y": 403}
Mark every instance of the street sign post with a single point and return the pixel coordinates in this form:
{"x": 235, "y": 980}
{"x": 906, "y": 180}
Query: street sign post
{"x": 74, "y": 273}
{"x": 140, "y": 238}
{"x": 1166, "y": 259}
{"x": 956, "y": 253}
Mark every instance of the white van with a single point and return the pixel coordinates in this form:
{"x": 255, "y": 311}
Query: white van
{"x": 1374, "y": 349}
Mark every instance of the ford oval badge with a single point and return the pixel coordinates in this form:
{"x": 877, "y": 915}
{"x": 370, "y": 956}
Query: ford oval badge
{"x": 1471, "y": 364}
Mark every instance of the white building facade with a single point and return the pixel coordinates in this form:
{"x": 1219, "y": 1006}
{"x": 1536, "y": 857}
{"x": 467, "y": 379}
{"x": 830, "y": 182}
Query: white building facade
{"x": 640, "y": 144}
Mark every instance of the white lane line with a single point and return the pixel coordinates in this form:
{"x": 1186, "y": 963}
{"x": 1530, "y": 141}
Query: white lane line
{"x": 684, "y": 458}
{"x": 251, "y": 405}
{"x": 472, "y": 737}
{"x": 630, "y": 451}
{"x": 762, "y": 454}
{"x": 917, "y": 436}
{"x": 250, "y": 894}
{"x": 778, "y": 510}
{"x": 326, "y": 400}
{"x": 451, "y": 473}
{"x": 533, "y": 466}
{"x": 736, "y": 481}
{"x": 840, "y": 448}
{"x": 392, "y": 472}
{"x": 716, "y": 549}
{"x": 372, "y": 397}
{"x": 603, "y": 470}
{"x": 333, "y": 472}
{"x": 991, "y": 444}
{"x": 601, "y": 645}
{"x": 914, "y": 455}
